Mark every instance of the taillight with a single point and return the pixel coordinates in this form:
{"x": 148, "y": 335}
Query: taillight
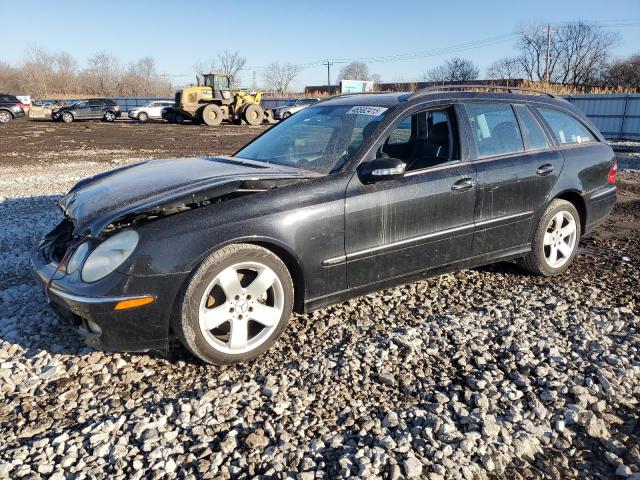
{"x": 117, "y": 107}
{"x": 613, "y": 172}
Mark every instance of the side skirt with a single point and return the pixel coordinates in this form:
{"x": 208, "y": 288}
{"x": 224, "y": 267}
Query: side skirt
{"x": 343, "y": 295}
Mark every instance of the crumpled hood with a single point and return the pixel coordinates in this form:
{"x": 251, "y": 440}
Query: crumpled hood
{"x": 157, "y": 185}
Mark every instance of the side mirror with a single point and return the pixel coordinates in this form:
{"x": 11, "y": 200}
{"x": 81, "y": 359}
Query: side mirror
{"x": 381, "y": 169}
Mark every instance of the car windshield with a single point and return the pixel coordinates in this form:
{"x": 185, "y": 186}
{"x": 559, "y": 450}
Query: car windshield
{"x": 319, "y": 138}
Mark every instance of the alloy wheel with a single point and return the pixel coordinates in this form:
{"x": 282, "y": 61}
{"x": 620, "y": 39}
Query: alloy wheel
{"x": 241, "y": 308}
{"x": 5, "y": 117}
{"x": 560, "y": 239}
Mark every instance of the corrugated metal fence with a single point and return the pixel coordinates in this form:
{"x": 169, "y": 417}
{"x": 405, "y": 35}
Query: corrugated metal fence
{"x": 617, "y": 116}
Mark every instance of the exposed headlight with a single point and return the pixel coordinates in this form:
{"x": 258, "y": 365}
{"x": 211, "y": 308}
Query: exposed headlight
{"x": 109, "y": 255}
{"x": 77, "y": 258}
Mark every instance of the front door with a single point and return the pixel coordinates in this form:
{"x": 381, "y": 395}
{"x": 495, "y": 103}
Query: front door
{"x": 82, "y": 109}
{"x": 422, "y": 221}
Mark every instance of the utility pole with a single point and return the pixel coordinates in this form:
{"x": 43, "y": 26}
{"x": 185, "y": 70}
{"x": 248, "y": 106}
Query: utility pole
{"x": 328, "y": 64}
{"x": 550, "y": 30}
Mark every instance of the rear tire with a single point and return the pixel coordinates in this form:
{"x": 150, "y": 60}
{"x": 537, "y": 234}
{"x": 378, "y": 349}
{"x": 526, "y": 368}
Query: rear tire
{"x": 212, "y": 115}
{"x": 178, "y": 118}
{"x": 286, "y": 115}
{"x": 235, "y": 305}
{"x": 143, "y": 117}
{"x": 268, "y": 116}
{"x": 555, "y": 241}
{"x": 109, "y": 117}
{"x": 67, "y": 117}
{"x": 253, "y": 114}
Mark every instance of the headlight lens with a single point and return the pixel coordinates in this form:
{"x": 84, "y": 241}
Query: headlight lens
{"x": 109, "y": 255}
{"x": 77, "y": 258}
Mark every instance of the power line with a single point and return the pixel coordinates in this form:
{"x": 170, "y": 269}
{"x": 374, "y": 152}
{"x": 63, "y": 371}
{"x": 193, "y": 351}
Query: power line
{"x": 448, "y": 50}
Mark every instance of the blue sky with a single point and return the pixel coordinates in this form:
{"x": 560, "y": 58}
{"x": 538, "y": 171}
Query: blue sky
{"x": 179, "y": 34}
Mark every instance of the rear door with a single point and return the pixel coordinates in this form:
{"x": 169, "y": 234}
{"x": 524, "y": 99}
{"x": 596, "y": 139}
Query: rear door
{"x": 421, "y": 221}
{"x": 516, "y": 167}
{"x": 96, "y": 108}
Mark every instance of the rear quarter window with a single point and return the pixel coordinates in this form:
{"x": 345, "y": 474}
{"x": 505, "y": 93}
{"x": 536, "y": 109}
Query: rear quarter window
{"x": 565, "y": 127}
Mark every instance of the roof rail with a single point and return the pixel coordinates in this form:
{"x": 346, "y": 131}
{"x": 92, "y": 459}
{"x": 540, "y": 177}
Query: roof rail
{"x": 354, "y": 94}
{"x": 436, "y": 88}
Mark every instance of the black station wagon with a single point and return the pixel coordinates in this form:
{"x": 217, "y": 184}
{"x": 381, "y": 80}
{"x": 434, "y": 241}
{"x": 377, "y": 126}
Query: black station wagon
{"x": 348, "y": 196}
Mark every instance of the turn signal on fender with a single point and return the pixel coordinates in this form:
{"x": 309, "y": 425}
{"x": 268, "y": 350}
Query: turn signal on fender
{"x": 133, "y": 303}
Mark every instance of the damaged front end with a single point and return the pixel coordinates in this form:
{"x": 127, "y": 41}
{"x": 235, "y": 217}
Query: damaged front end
{"x": 215, "y": 195}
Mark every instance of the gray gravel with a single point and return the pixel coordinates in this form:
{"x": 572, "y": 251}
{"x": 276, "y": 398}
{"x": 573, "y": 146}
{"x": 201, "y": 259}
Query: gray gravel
{"x": 481, "y": 373}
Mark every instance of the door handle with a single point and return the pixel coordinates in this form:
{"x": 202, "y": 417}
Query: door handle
{"x": 463, "y": 185}
{"x": 545, "y": 169}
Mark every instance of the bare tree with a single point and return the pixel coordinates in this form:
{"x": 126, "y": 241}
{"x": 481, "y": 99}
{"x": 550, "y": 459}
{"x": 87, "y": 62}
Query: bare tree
{"x": 103, "y": 73}
{"x": 141, "y": 78}
{"x": 9, "y": 78}
{"x": 506, "y": 68}
{"x": 454, "y": 70}
{"x": 204, "y": 66}
{"x": 278, "y": 76}
{"x": 579, "y": 52}
{"x": 624, "y": 72}
{"x": 232, "y": 63}
{"x": 354, "y": 71}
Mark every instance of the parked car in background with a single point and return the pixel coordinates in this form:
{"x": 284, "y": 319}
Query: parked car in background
{"x": 286, "y": 111}
{"x": 10, "y": 108}
{"x": 43, "y": 109}
{"x": 91, "y": 109}
{"x": 349, "y": 196}
{"x": 150, "y": 110}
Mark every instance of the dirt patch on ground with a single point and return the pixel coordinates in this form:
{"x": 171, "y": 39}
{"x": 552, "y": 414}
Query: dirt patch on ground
{"x": 28, "y": 142}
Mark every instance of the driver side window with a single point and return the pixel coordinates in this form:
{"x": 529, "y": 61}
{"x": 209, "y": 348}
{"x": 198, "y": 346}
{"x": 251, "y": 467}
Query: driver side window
{"x": 423, "y": 140}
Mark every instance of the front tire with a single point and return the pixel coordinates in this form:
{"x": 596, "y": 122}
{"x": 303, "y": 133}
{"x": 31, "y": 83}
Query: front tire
{"x": 235, "y": 305}
{"x": 67, "y": 117}
{"x": 556, "y": 239}
{"x": 5, "y": 117}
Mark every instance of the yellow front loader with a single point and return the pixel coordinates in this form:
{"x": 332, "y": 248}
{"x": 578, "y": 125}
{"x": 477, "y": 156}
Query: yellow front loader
{"x": 215, "y": 102}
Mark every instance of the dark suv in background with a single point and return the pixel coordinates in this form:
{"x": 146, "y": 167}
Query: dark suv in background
{"x": 10, "y": 108}
{"x": 91, "y": 109}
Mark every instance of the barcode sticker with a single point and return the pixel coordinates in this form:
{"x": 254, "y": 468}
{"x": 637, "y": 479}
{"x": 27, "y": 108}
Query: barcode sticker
{"x": 364, "y": 110}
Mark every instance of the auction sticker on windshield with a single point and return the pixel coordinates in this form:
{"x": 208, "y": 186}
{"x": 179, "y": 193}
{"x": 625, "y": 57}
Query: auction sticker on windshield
{"x": 363, "y": 110}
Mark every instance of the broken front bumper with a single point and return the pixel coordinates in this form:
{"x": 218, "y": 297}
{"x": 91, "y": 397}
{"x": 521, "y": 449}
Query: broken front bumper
{"x": 90, "y": 307}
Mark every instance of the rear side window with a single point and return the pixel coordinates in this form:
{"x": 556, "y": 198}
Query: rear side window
{"x": 495, "y": 129}
{"x": 566, "y": 129}
{"x": 9, "y": 99}
{"x": 532, "y": 132}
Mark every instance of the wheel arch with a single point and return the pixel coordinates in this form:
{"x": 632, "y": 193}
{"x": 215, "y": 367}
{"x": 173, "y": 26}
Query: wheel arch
{"x": 577, "y": 200}
{"x": 278, "y": 248}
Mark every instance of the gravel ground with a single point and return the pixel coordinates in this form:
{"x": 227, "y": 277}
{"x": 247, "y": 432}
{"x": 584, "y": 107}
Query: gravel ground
{"x": 482, "y": 373}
